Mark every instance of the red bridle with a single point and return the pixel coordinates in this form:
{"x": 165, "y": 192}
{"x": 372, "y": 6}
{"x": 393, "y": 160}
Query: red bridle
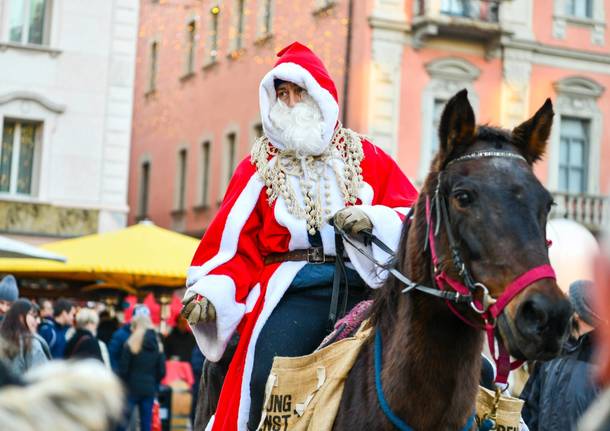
{"x": 490, "y": 308}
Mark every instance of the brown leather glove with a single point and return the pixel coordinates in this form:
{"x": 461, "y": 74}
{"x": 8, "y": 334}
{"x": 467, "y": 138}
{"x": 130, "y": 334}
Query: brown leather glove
{"x": 352, "y": 220}
{"x": 197, "y": 311}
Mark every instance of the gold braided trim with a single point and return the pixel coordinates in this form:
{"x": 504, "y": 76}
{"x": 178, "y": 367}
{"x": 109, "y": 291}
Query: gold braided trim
{"x": 274, "y": 166}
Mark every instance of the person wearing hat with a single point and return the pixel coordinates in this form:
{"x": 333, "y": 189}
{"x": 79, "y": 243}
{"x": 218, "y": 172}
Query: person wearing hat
{"x": 559, "y": 391}
{"x": 9, "y": 293}
{"x": 265, "y": 266}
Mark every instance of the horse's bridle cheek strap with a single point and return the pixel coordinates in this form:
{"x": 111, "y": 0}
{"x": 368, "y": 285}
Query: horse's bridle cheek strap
{"x": 518, "y": 285}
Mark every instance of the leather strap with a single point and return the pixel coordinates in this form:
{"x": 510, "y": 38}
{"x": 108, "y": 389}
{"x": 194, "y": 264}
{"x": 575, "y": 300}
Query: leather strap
{"x": 313, "y": 255}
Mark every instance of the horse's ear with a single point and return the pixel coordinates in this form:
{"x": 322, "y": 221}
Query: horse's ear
{"x": 457, "y": 124}
{"x": 532, "y": 135}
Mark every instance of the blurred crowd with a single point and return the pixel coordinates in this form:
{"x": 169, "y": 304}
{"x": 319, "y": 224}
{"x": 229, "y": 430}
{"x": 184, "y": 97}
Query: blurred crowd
{"x": 118, "y": 363}
{"x": 84, "y": 367}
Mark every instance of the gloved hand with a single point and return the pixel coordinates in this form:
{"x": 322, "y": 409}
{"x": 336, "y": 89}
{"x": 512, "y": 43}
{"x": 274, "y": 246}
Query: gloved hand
{"x": 197, "y": 311}
{"x": 352, "y": 220}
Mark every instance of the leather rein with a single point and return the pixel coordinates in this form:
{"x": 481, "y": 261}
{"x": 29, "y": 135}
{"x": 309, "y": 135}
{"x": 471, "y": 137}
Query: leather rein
{"x": 462, "y": 291}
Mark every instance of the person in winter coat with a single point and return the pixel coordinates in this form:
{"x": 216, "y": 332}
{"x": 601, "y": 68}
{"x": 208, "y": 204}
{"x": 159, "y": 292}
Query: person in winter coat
{"x": 559, "y": 391}
{"x": 20, "y": 347}
{"x": 115, "y": 346}
{"x": 266, "y": 263}
{"x": 84, "y": 343}
{"x": 142, "y": 367}
{"x": 55, "y": 333}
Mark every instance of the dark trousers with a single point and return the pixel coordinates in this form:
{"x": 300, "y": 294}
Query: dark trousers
{"x": 145, "y": 406}
{"x": 296, "y": 327}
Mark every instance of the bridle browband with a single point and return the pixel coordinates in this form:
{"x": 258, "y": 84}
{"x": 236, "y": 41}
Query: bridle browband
{"x": 461, "y": 291}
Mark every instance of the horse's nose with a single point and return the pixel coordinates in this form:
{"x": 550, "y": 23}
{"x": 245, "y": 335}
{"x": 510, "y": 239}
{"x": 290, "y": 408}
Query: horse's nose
{"x": 540, "y": 315}
{"x": 532, "y": 316}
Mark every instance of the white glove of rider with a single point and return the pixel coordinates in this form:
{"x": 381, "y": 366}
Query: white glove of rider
{"x": 352, "y": 220}
{"x": 197, "y": 311}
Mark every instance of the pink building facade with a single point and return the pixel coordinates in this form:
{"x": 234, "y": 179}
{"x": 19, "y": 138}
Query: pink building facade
{"x": 395, "y": 64}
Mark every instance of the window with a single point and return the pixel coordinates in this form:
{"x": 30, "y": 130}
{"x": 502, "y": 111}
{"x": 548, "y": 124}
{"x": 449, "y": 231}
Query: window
{"x": 580, "y": 8}
{"x": 239, "y": 26}
{"x": 258, "y": 130}
{"x": 231, "y": 154}
{"x": 144, "y": 185}
{"x": 267, "y": 21}
{"x": 213, "y": 36}
{"x": 18, "y": 154}
{"x": 154, "y": 66}
{"x": 205, "y": 173}
{"x": 437, "y": 111}
{"x": 573, "y": 155}
{"x": 455, "y": 7}
{"x": 191, "y": 30}
{"x": 181, "y": 200}
{"x": 29, "y": 21}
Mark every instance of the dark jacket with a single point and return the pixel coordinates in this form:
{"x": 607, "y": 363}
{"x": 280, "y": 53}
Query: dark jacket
{"x": 142, "y": 372}
{"x": 55, "y": 336}
{"x": 179, "y": 344}
{"x": 115, "y": 347}
{"x": 82, "y": 345}
{"x": 559, "y": 391}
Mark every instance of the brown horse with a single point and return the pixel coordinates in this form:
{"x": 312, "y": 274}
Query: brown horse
{"x": 496, "y": 211}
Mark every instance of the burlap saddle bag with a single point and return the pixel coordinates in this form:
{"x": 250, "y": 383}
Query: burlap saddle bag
{"x": 303, "y": 393}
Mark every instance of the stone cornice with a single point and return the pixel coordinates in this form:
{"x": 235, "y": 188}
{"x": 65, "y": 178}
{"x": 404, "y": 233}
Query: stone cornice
{"x": 569, "y": 53}
{"x": 388, "y": 24}
{"x": 33, "y": 97}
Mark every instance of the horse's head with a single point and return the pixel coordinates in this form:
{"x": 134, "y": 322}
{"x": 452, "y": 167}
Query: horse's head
{"x": 496, "y": 210}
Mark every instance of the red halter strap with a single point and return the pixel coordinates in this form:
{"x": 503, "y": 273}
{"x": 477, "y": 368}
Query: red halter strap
{"x": 503, "y": 363}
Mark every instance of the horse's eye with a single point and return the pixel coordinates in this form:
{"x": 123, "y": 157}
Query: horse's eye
{"x": 463, "y": 198}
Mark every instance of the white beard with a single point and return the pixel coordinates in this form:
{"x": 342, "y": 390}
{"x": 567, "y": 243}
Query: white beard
{"x": 301, "y": 127}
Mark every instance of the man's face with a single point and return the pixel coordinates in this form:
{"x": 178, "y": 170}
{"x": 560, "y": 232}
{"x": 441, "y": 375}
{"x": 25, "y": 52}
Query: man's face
{"x": 67, "y": 317}
{"x": 4, "y": 306}
{"x": 46, "y": 309}
{"x": 299, "y": 120}
{"x": 289, "y": 93}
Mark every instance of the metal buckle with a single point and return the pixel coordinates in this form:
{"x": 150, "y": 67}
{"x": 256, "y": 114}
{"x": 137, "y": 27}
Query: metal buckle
{"x": 488, "y": 300}
{"x": 316, "y": 255}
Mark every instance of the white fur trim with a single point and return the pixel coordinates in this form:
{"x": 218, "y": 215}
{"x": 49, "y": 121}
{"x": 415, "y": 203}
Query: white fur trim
{"x": 298, "y": 75}
{"x": 253, "y": 297}
{"x": 387, "y": 226}
{"x": 210, "y": 424}
{"x": 212, "y": 338}
{"x": 276, "y": 287}
{"x": 237, "y": 218}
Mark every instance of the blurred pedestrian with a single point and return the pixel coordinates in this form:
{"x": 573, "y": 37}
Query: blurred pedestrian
{"x": 597, "y": 417}
{"x": 84, "y": 342}
{"x": 120, "y": 336}
{"x": 142, "y": 367}
{"x": 180, "y": 341}
{"x": 55, "y": 334}
{"x": 20, "y": 348}
{"x": 108, "y": 325}
{"x": 46, "y": 309}
{"x": 559, "y": 391}
{"x": 9, "y": 293}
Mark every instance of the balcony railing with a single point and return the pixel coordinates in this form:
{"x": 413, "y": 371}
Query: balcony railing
{"x": 590, "y": 210}
{"x": 478, "y": 10}
{"x": 473, "y": 20}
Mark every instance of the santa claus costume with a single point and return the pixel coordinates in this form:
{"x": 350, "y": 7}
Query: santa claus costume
{"x": 279, "y": 201}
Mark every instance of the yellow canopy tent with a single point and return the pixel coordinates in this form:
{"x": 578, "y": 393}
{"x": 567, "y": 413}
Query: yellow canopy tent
{"x": 130, "y": 258}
